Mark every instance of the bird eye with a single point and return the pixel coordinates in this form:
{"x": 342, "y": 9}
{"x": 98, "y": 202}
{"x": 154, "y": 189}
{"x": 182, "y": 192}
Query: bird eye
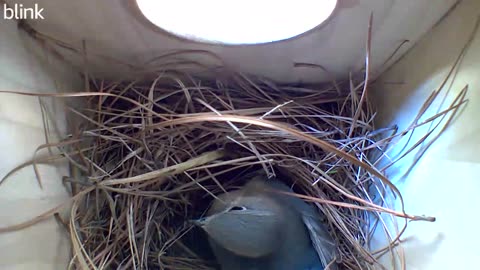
{"x": 238, "y": 208}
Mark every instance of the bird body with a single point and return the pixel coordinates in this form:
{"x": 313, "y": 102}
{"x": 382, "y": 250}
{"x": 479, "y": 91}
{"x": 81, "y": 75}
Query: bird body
{"x": 260, "y": 228}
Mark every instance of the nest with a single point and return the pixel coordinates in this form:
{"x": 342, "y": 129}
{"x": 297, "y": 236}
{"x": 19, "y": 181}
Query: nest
{"x": 157, "y": 154}
{"x": 148, "y": 156}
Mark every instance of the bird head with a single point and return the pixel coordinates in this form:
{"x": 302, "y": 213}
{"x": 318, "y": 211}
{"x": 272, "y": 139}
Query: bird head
{"x": 247, "y": 224}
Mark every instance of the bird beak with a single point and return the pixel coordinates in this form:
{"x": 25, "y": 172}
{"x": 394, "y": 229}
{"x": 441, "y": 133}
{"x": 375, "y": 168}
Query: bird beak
{"x": 199, "y": 222}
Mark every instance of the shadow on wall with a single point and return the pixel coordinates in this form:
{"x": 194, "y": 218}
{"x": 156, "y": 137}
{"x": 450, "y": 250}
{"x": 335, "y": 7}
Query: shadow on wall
{"x": 401, "y": 92}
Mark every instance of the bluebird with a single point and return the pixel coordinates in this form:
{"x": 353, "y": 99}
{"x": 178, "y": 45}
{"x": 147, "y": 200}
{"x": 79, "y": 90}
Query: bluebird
{"x": 259, "y": 227}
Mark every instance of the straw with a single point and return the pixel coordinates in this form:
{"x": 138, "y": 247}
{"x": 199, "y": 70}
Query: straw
{"x": 152, "y": 154}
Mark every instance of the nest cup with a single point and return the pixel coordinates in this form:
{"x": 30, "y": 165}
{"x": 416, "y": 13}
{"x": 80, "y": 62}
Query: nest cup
{"x": 154, "y": 154}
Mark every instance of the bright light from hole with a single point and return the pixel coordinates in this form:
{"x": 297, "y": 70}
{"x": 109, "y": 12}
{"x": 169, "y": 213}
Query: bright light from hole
{"x": 237, "y": 22}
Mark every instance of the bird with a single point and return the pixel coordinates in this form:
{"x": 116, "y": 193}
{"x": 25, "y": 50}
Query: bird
{"x": 260, "y": 227}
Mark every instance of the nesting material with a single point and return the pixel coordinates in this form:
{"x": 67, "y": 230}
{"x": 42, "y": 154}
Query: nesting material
{"x": 148, "y": 156}
{"x": 155, "y": 155}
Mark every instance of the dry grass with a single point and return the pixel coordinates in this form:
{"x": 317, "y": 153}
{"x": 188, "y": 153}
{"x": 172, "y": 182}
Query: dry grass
{"x": 150, "y": 155}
